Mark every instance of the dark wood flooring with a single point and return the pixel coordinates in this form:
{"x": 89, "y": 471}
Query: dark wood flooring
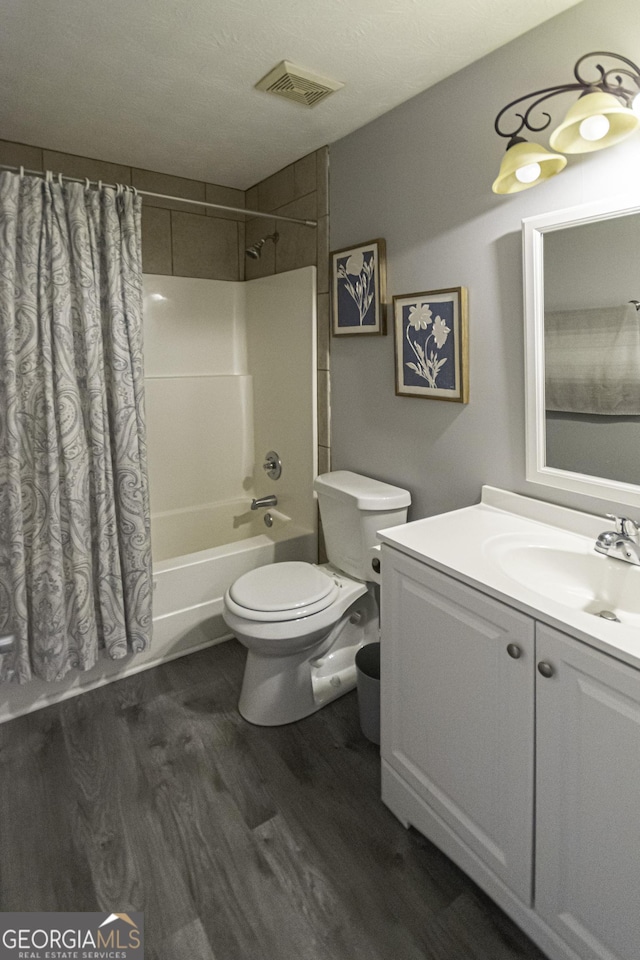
{"x": 237, "y": 842}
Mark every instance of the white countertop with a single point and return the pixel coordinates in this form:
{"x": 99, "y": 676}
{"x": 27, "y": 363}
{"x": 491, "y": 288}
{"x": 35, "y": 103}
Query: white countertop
{"x": 464, "y": 544}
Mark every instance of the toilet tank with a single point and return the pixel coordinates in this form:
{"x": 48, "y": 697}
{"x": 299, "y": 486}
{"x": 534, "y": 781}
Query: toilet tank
{"x": 353, "y": 508}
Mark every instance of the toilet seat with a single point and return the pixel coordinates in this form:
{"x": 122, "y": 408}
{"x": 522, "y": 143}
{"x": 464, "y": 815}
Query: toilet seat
{"x": 281, "y": 591}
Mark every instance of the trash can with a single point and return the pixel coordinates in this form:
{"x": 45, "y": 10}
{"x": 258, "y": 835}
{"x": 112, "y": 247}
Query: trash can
{"x": 368, "y": 680}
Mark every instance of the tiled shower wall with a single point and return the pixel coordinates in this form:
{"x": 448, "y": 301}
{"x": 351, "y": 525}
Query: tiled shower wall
{"x": 190, "y": 241}
{"x": 177, "y": 239}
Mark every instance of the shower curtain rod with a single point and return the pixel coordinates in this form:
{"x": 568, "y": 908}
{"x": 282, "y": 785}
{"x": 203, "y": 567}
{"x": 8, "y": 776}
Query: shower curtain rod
{"x": 165, "y": 196}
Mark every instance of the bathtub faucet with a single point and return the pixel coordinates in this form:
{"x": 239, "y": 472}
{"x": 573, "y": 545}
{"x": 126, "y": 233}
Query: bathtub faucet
{"x": 269, "y": 501}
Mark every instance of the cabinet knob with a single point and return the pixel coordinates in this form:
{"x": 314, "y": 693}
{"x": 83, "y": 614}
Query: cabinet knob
{"x": 375, "y": 563}
{"x": 545, "y": 669}
{"x": 514, "y": 651}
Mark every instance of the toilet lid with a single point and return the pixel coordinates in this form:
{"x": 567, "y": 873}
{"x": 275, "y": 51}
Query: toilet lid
{"x": 290, "y": 587}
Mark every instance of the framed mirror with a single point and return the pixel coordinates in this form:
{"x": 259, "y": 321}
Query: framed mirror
{"x": 582, "y": 349}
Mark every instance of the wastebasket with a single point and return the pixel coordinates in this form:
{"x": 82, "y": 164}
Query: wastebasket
{"x": 368, "y": 680}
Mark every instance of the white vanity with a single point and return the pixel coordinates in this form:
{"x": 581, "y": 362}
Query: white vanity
{"x": 511, "y": 714}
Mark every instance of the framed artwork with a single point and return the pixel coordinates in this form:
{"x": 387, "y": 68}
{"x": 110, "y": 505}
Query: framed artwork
{"x": 431, "y": 345}
{"x": 359, "y": 290}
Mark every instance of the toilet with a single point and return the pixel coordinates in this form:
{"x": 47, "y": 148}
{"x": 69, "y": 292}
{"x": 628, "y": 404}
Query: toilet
{"x": 302, "y": 624}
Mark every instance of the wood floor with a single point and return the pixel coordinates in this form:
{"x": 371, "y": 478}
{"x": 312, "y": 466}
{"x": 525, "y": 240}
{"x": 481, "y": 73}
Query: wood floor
{"x": 237, "y": 842}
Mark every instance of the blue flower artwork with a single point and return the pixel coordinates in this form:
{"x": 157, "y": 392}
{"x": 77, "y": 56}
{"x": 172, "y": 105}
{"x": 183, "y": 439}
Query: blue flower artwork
{"x": 355, "y": 275}
{"x": 429, "y": 345}
{"x": 358, "y": 290}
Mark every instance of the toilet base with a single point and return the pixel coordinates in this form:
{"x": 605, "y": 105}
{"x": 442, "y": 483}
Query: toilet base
{"x": 280, "y": 690}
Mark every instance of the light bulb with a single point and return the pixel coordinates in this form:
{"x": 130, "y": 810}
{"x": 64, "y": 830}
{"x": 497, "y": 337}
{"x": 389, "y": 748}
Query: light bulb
{"x": 595, "y": 127}
{"x": 635, "y": 104}
{"x": 528, "y": 173}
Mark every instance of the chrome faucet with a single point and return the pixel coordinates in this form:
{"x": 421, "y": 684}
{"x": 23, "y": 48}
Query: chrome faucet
{"x": 269, "y": 501}
{"x": 623, "y": 543}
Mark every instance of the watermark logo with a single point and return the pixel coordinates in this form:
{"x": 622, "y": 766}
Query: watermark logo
{"x": 71, "y": 936}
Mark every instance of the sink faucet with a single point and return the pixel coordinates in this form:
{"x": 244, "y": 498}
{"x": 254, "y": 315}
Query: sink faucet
{"x": 269, "y": 501}
{"x": 623, "y": 543}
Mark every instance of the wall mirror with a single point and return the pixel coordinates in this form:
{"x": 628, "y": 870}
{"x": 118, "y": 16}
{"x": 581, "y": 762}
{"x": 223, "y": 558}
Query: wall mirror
{"x": 582, "y": 341}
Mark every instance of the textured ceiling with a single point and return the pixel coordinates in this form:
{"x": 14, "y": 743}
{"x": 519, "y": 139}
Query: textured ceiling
{"x": 168, "y": 84}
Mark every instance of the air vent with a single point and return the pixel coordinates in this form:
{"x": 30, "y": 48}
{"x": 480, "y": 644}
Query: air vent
{"x": 295, "y": 83}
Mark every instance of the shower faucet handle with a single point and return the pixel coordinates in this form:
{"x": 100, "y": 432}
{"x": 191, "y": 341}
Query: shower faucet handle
{"x": 272, "y": 465}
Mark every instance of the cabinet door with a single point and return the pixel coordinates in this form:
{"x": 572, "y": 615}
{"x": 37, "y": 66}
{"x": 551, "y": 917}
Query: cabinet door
{"x": 458, "y": 710}
{"x": 588, "y": 798}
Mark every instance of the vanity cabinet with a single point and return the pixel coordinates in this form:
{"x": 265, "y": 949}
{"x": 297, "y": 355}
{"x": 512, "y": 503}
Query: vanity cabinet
{"x": 458, "y": 711}
{"x": 588, "y": 798}
{"x": 516, "y": 749}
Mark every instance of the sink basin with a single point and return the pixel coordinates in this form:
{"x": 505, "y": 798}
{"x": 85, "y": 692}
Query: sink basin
{"x": 565, "y": 568}
{"x": 539, "y": 558}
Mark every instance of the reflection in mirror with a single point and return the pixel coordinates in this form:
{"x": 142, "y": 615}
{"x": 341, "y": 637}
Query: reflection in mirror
{"x": 581, "y": 270}
{"x": 592, "y": 348}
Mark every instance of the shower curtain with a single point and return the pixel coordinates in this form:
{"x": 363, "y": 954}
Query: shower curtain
{"x": 75, "y": 553}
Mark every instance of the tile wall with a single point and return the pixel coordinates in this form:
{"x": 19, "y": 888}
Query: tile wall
{"x": 190, "y": 241}
{"x": 178, "y": 240}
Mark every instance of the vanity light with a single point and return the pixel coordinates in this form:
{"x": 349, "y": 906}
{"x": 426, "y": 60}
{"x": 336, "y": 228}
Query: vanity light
{"x": 607, "y": 111}
{"x": 525, "y": 164}
{"x": 596, "y": 121}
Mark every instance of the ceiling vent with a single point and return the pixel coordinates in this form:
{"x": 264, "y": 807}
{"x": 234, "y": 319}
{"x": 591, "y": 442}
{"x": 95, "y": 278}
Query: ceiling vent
{"x": 295, "y": 83}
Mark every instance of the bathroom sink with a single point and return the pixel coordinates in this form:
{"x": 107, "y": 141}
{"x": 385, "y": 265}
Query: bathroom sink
{"x": 565, "y": 568}
{"x": 539, "y": 558}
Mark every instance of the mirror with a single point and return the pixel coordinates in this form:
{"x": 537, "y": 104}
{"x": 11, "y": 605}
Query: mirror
{"x": 582, "y": 274}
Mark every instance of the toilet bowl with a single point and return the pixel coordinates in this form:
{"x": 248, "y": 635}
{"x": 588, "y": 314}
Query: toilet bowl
{"x": 297, "y": 663}
{"x": 303, "y": 624}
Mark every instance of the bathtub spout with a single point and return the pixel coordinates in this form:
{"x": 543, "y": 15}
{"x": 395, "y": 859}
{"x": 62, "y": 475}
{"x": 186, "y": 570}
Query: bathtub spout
{"x": 269, "y": 501}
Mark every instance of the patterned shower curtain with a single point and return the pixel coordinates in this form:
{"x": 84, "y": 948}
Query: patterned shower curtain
{"x": 75, "y": 553}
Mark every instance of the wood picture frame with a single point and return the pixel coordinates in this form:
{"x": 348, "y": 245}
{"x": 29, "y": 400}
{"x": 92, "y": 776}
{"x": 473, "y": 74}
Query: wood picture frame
{"x": 358, "y": 290}
{"x": 431, "y": 344}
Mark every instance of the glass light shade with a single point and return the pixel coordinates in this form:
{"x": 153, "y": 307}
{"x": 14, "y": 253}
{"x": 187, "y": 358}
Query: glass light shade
{"x": 520, "y": 157}
{"x": 635, "y": 105}
{"x": 622, "y": 122}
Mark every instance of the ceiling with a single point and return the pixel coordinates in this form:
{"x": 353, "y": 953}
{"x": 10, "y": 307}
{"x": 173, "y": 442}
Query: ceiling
{"x": 168, "y": 85}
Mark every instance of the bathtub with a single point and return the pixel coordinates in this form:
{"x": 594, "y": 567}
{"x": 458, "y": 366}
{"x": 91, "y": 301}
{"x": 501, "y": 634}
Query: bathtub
{"x": 198, "y": 553}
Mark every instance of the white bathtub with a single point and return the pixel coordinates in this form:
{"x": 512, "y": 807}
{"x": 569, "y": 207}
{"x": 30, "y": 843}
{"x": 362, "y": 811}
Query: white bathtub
{"x": 198, "y": 553}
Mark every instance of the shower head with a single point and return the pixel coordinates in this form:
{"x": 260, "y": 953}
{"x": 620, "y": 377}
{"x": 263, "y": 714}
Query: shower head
{"x": 254, "y": 252}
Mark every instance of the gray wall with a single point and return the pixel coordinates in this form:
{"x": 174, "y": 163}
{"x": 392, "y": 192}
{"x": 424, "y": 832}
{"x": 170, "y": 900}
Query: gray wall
{"x": 420, "y": 176}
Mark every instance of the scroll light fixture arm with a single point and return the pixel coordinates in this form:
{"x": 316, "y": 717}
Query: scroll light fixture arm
{"x": 607, "y": 102}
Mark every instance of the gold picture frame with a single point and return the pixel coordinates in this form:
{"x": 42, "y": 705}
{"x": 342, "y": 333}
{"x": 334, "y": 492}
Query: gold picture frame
{"x": 359, "y": 290}
{"x": 431, "y": 344}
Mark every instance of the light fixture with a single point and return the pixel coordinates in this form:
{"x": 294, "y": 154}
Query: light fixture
{"x": 607, "y": 111}
{"x": 596, "y": 121}
{"x": 525, "y": 164}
